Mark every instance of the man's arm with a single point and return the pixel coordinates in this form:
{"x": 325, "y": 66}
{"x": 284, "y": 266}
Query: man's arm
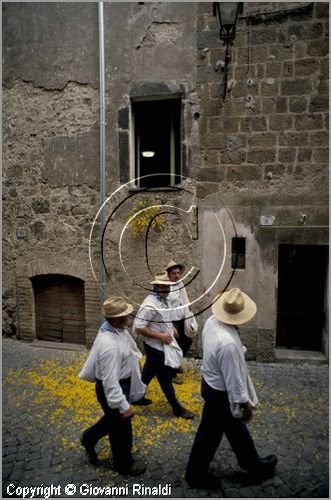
{"x": 110, "y": 366}
{"x": 247, "y": 410}
{"x": 141, "y": 325}
{"x": 128, "y": 413}
{"x": 165, "y": 338}
{"x": 230, "y": 368}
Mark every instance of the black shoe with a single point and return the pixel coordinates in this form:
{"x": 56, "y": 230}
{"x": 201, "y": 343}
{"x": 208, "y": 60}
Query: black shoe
{"x": 205, "y": 483}
{"x": 184, "y": 414}
{"x": 136, "y": 468}
{"x": 142, "y": 402}
{"x": 265, "y": 469}
{"x": 90, "y": 451}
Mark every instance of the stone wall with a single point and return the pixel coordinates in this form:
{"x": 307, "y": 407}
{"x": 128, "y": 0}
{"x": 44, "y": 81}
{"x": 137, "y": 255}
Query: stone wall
{"x": 51, "y": 136}
{"x": 272, "y": 130}
{"x": 51, "y": 149}
{"x": 264, "y": 151}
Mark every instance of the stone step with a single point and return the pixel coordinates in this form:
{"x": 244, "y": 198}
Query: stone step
{"x": 57, "y": 345}
{"x": 298, "y": 356}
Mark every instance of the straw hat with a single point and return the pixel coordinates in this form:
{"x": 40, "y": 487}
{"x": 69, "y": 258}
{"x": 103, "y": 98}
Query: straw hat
{"x": 234, "y": 307}
{"x": 161, "y": 279}
{"x": 172, "y": 264}
{"x": 115, "y": 307}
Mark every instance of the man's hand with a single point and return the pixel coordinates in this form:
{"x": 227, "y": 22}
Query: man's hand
{"x": 128, "y": 413}
{"x": 247, "y": 410}
{"x": 176, "y": 334}
{"x": 165, "y": 338}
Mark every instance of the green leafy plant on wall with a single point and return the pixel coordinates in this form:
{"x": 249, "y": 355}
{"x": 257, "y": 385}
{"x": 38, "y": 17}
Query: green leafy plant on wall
{"x": 146, "y": 211}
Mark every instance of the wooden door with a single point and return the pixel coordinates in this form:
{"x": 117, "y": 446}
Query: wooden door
{"x": 59, "y": 308}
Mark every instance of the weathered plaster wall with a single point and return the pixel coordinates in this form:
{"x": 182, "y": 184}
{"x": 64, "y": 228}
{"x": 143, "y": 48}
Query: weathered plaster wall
{"x": 51, "y": 153}
{"x": 262, "y": 152}
{"x": 50, "y": 44}
{"x": 50, "y": 189}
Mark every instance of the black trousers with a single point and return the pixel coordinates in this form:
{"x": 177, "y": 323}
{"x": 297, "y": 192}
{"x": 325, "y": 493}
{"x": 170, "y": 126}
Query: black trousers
{"x": 118, "y": 429}
{"x": 154, "y": 367}
{"x": 217, "y": 420}
{"x": 184, "y": 342}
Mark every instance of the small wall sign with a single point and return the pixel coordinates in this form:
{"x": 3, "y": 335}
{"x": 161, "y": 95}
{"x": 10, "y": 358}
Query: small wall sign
{"x": 267, "y": 220}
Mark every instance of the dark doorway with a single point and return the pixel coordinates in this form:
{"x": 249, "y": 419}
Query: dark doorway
{"x": 157, "y": 141}
{"x": 302, "y": 271}
{"x": 59, "y": 308}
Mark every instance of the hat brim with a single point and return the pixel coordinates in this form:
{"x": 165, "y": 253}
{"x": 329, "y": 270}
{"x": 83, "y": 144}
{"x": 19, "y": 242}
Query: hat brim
{"x": 240, "y": 318}
{"x": 126, "y": 312}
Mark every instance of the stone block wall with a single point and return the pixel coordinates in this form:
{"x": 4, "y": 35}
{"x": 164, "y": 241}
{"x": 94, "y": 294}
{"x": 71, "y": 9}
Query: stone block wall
{"x": 51, "y": 141}
{"x": 262, "y": 151}
{"x": 272, "y": 129}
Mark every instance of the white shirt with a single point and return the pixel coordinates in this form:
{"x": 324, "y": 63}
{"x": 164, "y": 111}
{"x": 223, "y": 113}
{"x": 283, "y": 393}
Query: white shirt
{"x": 159, "y": 321}
{"x": 176, "y": 298}
{"x": 224, "y": 367}
{"x": 110, "y": 361}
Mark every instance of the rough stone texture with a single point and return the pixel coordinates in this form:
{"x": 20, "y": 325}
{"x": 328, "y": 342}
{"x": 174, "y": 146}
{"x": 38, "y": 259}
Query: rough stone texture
{"x": 262, "y": 151}
{"x": 282, "y": 115}
{"x": 265, "y": 346}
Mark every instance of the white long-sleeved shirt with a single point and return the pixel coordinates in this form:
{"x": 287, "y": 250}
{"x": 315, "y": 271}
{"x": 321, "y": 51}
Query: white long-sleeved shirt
{"x": 177, "y": 298}
{"x": 224, "y": 367}
{"x": 110, "y": 361}
{"x": 159, "y": 320}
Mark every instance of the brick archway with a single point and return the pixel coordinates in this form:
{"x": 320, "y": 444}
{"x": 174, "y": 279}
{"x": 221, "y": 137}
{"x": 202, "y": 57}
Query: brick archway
{"x": 26, "y": 299}
{"x": 59, "y": 308}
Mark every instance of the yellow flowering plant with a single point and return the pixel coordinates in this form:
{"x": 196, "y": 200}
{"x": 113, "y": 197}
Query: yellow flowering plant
{"x": 142, "y": 213}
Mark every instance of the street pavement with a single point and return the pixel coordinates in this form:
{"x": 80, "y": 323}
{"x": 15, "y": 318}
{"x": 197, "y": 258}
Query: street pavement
{"x": 46, "y": 407}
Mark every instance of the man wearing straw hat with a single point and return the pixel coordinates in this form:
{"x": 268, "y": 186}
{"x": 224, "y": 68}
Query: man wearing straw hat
{"x": 177, "y": 299}
{"x": 228, "y": 392}
{"x": 154, "y": 323}
{"x": 113, "y": 365}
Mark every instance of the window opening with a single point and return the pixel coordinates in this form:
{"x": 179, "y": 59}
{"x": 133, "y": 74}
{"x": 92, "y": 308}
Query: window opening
{"x": 238, "y": 257}
{"x": 157, "y": 142}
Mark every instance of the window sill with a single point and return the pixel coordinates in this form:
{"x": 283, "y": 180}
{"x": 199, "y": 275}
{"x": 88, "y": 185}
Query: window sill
{"x": 155, "y": 189}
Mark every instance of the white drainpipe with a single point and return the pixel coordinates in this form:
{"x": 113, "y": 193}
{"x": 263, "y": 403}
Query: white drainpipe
{"x": 102, "y": 140}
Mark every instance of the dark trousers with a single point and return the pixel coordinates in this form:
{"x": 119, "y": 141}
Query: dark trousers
{"x": 217, "y": 420}
{"x": 118, "y": 429}
{"x": 184, "y": 342}
{"x": 154, "y": 367}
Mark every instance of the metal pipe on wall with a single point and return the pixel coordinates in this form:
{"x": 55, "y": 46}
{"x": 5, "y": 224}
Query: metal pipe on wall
{"x": 102, "y": 141}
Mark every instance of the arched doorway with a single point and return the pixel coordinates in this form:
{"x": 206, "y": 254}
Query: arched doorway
{"x": 59, "y": 308}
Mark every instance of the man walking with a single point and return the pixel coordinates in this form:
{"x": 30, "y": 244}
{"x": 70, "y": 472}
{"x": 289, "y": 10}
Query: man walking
{"x": 229, "y": 395}
{"x": 154, "y": 323}
{"x": 113, "y": 365}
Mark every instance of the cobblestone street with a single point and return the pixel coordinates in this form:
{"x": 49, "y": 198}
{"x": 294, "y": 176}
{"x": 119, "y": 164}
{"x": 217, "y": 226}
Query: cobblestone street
{"x": 46, "y": 407}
